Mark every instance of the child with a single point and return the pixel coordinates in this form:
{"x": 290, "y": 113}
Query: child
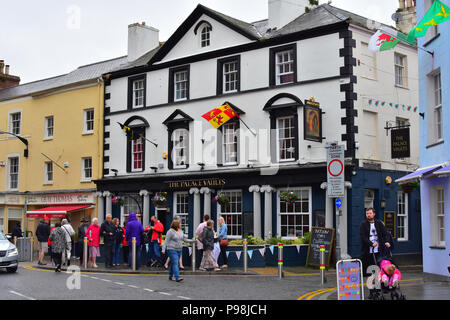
{"x": 389, "y": 275}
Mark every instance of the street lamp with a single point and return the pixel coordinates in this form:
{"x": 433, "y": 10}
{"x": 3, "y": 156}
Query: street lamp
{"x": 25, "y": 141}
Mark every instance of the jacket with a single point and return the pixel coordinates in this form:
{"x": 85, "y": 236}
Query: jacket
{"x": 158, "y": 230}
{"x": 134, "y": 229}
{"x": 67, "y": 228}
{"x": 93, "y": 235}
{"x": 105, "y": 230}
{"x": 59, "y": 240}
{"x": 49, "y": 242}
{"x": 223, "y": 232}
{"x": 208, "y": 239}
{"x": 43, "y": 232}
{"x": 174, "y": 240}
{"x": 118, "y": 235}
{"x": 124, "y": 240}
{"x": 17, "y": 232}
{"x": 199, "y": 230}
{"x": 364, "y": 234}
{"x": 81, "y": 232}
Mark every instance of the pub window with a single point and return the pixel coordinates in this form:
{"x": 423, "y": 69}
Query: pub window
{"x": 181, "y": 208}
{"x": 402, "y": 216}
{"x": 283, "y": 65}
{"x": 180, "y": 145}
{"x": 286, "y": 141}
{"x": 295, "y": 218}
{"x": 232, "y": 213}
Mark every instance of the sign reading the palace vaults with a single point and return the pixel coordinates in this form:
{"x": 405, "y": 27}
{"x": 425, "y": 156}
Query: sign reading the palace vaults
{"x": 182, "y": 184}
{"x": 312, "y": 121}
{"x": 400, "y": 143}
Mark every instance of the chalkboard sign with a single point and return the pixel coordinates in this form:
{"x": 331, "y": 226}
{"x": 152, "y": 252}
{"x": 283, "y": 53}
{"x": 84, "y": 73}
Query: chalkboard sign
{"x": 319, "y": 237}
{"x": 389, "y": 222}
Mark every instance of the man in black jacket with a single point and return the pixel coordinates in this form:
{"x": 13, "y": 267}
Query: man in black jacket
{"x": 42, "y": 234}
{"x": 82, "y": 229}
{"x": 107, "y": 231}
{"x": 374, "y": 239}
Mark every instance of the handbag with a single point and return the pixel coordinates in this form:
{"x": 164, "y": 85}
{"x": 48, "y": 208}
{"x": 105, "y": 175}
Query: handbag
{"x": 224, "y": 242}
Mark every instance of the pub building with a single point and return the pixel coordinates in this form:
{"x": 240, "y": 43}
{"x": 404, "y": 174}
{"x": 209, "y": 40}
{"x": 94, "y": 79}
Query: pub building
{"x": 298, "y": 82}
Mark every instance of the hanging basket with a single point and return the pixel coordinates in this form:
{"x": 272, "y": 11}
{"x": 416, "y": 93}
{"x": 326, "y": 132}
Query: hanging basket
{"x": 410, "y": 186}
{"x": 289, "y": 197}
{"x": 118, "y": 201}
{"x": 160, "y": 200}
{"x": 222, "y": 199}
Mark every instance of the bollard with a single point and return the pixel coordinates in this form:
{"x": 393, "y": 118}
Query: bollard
{"x": 133, "y": 254}
{"x": 15, "y": 241}
{"x": 193, "y": 256}
{"x": 245, "y": 256}
{"x": 85, "y": 252}
{"x": 323, "y": 278}
{"x": 280, "y": 261}
{"x": 31, "y": 249}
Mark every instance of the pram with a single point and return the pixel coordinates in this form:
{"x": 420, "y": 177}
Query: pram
{"x": 394, "y": 292}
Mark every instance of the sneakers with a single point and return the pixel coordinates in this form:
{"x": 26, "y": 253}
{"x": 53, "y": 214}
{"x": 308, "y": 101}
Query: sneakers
{"x": 224, "y": 266}
{"x": 202, "y": 269}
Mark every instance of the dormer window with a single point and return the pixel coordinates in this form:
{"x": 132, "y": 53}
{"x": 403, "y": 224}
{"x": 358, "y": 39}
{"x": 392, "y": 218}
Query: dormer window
{"x": 205, "y": 36}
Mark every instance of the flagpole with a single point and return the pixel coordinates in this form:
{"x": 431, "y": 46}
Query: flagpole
{"x": 405, "y": 42}
{"x": 247, "y": 126}
{"x": 141, "y": 136}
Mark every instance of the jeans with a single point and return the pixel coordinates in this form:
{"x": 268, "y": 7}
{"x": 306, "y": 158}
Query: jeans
{"x": 223, "y": 254}
{"x": 138, "y": 257}
{"x": 154, "y": 251}
{"x": 174, "y": 269}
{"x": 116, "y": 253}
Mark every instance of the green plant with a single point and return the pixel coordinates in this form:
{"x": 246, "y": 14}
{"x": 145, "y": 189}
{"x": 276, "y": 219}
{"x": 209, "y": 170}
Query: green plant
{"x": 222, "y": 199}
{"x": 159, "y": 199}
{"x": 288, "y": 196}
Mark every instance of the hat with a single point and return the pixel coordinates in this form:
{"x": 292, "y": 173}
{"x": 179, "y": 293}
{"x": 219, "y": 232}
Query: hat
{"x": 84, "y": 219}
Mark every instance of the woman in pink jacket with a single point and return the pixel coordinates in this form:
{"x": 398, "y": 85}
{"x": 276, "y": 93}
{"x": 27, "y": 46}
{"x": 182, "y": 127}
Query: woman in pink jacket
{"x": 93, "y": 235}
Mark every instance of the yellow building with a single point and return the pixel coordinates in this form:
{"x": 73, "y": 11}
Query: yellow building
{"x": 61, "y": 119}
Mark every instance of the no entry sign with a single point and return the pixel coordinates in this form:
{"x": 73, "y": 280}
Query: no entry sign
{"x": 335, "y": 171}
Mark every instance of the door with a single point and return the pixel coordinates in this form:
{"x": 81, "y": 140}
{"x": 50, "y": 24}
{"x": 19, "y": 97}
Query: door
{"x": 161, "y": 215}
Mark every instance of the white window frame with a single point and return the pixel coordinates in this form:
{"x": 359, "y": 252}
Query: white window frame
{"x": 140, "y": 141}
{"x": 49, "y": 125}
{"x": 47, "y": 172}
{"x": 402, "y": 214}
{"x": 183, "y": 215}
{"x": 229, "y": 226}
{"x": 369, "y": 198}
{"x": 11, "y": 123}
{"x": 177, "y": 147}
{"x": 292, "y": 127}
{"x": 8, "y": 176}
{"x": 437, "y": 210}
{"x": 226, "y": 143}
{"x": 230, "y": 76}
{"x": 84, "y": 177}
{"x": 279, "y": 213}
{"x": 138, "y": 93}
{"x": 281, "y": 62}
{"x": 178, "y": 85}
{"x": 205, "y": 36}
{"x": 88, "y": 121}
{"x": 437, "y": 107}
{"x": 401, "y": 70}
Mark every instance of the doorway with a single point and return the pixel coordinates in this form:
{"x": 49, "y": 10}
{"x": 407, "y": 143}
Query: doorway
{"x": 161, "y": 215}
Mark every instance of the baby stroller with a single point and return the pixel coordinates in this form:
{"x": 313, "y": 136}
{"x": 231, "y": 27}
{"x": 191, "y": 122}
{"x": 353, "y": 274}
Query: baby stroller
{"x": 391, "y": 290}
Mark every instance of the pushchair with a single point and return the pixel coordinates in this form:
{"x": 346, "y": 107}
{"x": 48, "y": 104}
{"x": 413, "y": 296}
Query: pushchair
{"x": 394, "y": 292}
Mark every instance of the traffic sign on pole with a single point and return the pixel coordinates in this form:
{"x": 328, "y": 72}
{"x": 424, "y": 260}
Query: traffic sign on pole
{"x": 335, "y": 170}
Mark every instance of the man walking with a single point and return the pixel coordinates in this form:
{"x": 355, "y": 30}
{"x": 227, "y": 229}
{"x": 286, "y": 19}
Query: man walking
{"x": 198, "y": 234}
{"x": 42, "y": 234}
{"x": 107, "y": 231}
{"x": 155, "y": 241}
{"x": 373, "y": 236}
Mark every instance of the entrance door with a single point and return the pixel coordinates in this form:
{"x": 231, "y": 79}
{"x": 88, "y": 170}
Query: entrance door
{"x": 161, "y": 214}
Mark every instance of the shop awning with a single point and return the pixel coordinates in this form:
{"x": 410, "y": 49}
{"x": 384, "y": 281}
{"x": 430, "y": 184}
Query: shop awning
{"x": 444, "y": 172}
{"x": 55, "y": 212}
{"x": 418, "y": 174}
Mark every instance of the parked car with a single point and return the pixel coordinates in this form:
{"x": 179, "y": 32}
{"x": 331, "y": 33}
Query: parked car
{"x": 9, "y": 255}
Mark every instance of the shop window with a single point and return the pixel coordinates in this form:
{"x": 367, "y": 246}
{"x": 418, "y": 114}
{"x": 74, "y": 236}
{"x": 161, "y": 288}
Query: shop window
{"x": 181, "y": 209}
{"x": 295, "y": 218}
{"x": 232, "y": 213}
{"x": 402, "y": 216}
{"x": 14, "y": 217}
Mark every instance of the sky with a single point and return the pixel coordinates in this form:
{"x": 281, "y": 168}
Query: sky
{"x": 46, "y": 38}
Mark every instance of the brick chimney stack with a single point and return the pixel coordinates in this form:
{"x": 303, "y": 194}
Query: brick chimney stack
{"x": 7, "y": 80}
{"x": 407, "y": 9}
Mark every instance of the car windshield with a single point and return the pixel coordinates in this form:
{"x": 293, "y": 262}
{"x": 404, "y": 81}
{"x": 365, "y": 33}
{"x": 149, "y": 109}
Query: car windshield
{"x": 2, "y": 236}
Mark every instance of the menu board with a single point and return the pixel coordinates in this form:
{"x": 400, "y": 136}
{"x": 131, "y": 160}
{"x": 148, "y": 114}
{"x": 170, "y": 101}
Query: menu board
{"x": 389, "y": 222}
{"x": 320, "y": 237}
{"x": 350, "y": 282}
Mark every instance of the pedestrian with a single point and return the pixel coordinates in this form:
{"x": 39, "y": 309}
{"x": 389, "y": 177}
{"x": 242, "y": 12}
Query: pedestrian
{"x": 155, "y": 241}
{"x": 118, "y": 236}
{"x": 65, "y": 225}
{"x": 166, "y": 265}
{"x": 107, "y": 231}
{"x": 373, "y": 237}
{"x": 17, "y": 232}
{"x": 125, "y": 247}
{"x": 207, "y": 238}
{"x": 42, "y": 234}
{"x": 52, "y": 226}
{"x": 173, "y": 244}
{"x": 82, "y": 230}
{"x": 59, "y": 245}
{"x": 223, "y": 241}
{"x": 93, "y": 235}
{"x": 198, "y": 233}
{"x": 134, "y": 230}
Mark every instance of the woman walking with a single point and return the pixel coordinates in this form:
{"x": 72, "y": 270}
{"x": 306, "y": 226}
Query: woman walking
{"x": 166, "y": 265}
{"x": 93, "y": 235}
{"x": 223, "y": 241}
{"x": 69, "y": 232}
{"x": 208, "y": 261}
{"x": 118, "y": 236}
{"x": 59, "y": 245}
{"x": 173, "y": 244}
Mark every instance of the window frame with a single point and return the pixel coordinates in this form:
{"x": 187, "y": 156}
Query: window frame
{"x": 183, "y": 215}
{"x": 437, "y": 105}
{"x": 205, "y": 41}
{"x": 404, "y": 70}
{"x": 175, "y": 148}
{"x": 172, "y": 83}
{"x": 223, "y": 130}
{"x": 221, "y": 83}
{"x": 47, "y": 127}
{"x": 224, "y": 214}
{"x": 11, "y": 122}
{"x": 273, "y": 73}
{"x": 86, "y": 120}
{"x": 402, "y": 202}
{"x": 292, "y": 138}
{"x": 9, "y": 173}
{"x": 139, "y": 141}
{"x": 279, "y": 214}
{"x": 84, "y": 178}
{"x": 47, "y": 172}
{"x": 131, "y": 91}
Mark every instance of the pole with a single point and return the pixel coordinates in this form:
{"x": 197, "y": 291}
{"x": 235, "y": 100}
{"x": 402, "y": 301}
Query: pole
{"x": 31, "y": 248}
{"x": 85, "y": 252}
{"x": 323, "y": 278}
{"x": 245, "y": 256}
{"x": 133, "y": 254}
{"x": 193, "y": 256}
{"x": 280, "y": 261}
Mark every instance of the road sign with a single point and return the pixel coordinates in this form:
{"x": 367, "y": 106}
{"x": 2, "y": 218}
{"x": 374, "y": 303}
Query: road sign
{"x": 335, "y": 171}
{"x": 350, "y": 279}
{"x": 338, "y": 203}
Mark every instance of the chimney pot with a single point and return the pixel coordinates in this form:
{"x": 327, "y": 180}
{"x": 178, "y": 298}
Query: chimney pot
{"x": 2, "y": 64}
{"x": 7, "y": 69}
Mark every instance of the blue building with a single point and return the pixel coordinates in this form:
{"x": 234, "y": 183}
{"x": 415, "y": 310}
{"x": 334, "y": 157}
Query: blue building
{"x": 434, "y": 100}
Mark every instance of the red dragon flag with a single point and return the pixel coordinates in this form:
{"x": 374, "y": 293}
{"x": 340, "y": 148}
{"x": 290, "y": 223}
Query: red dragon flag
{"x": 386, "y": 38}
{"x": 218, "y": 116}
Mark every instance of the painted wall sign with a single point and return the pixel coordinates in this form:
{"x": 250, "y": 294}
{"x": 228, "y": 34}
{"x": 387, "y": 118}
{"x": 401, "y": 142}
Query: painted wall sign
{"x": 63, "y": 198}
{"x": 216, "y": 182}
{"x": 312, "y": 121}
{"x": 400, "y": 143}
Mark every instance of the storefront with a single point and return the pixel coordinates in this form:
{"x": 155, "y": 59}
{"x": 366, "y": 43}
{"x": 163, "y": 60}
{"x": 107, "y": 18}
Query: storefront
{"x": 11, "y": 212}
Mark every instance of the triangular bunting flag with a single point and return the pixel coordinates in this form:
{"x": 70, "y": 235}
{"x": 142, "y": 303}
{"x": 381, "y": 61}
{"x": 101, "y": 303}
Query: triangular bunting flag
{"x": 262, "y": 251}
{"x": 298, "y": 248}
{"x": 250, "y": 253}
{"x": 228, "y": 253}
{"x": 271, "y": 248}
{"x": 238, "y": 254}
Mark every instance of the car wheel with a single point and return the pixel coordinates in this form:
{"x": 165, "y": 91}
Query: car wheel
{"x": 11, "y": 270}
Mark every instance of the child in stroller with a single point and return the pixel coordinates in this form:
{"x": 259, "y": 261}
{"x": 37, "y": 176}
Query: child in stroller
{"x": 389, "y": 279}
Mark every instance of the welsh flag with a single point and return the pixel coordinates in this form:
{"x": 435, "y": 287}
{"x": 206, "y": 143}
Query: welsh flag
{"x": 438, "y": 13}
{"x": 386, "y": 38}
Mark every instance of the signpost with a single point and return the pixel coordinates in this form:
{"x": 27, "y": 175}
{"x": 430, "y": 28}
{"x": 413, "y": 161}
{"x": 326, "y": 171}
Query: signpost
{"x": 335, "y": 171}
{"x": 350, "y": 279}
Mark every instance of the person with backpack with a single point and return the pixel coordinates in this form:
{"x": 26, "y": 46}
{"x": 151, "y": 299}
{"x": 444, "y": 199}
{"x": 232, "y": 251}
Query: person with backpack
{"x": 134, "y": 230}
{"x": 198, "y": 234}
{"x": 67, "y": 228}
{"x": 42, "y": 234}
{"x": 207, "y": 238}
{"x": 155, "y": 241}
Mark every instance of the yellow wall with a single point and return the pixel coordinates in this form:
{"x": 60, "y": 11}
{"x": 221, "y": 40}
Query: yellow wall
{"x": 68, "y": 145}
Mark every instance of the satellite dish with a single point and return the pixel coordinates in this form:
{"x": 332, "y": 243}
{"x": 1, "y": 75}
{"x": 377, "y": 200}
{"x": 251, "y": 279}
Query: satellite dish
{"x": 397, "y": 17}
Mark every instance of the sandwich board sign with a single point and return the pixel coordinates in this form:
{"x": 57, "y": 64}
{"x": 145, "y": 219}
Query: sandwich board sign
{"x": 335, "y": 171}
{"x": 350, "y": 283}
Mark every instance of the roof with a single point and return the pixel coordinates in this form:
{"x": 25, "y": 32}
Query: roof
{"x": 81, "y": 74}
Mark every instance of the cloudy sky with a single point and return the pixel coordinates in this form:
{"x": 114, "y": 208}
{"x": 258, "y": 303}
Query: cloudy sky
{"x": 45, "y": 38}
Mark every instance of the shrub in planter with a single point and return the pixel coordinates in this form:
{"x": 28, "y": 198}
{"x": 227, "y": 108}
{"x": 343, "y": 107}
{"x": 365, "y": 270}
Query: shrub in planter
{"x": 288, "y": 196}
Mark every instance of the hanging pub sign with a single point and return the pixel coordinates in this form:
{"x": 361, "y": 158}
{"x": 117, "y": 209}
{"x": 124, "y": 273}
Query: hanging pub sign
{"x": 312, "y": 121}
{"x": 400, "y": 143}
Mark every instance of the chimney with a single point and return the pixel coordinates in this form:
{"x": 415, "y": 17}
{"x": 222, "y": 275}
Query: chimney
{"x": 2, "y": 64}
{"x": 281, "y": 12}
{"x": 7, "y": 80}
{"x": 7, "y": 69}
{"x": 141, "y": 39}
{"x": 401, "y": 4}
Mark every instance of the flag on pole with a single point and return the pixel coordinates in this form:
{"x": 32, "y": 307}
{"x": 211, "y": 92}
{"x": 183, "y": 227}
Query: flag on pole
{"x": 127, "y": 130}
{"x": 386, "y": 38}
{"x": 438, "y": 13}
{"x": 218, "y": 116}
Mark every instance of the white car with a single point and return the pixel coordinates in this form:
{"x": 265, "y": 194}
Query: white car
{"x": 9, "y": 256}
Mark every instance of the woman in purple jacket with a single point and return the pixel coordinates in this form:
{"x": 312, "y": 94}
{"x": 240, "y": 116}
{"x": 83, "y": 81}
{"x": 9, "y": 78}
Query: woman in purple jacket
{"x": 134, "y": 230}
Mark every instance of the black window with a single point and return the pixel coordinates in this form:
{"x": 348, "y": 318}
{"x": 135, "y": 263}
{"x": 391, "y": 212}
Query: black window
{"x": 179, "y": 83}
{"x": 137, "y": 91}
{"x": 283, "y": 65}
{"x": 229, "y": 75}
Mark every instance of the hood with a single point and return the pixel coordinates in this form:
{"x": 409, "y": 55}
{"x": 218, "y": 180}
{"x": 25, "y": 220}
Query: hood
{"x": 132, "y": 217}
{"x": 6, "y": 245}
